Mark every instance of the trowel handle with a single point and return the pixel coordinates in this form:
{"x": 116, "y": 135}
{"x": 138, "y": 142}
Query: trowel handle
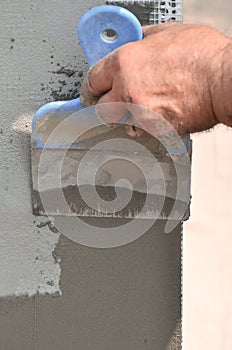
{"x": 103, "y": 29}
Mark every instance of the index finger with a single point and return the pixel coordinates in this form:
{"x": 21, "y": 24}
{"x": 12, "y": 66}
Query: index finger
{"x": 98, "y": 80}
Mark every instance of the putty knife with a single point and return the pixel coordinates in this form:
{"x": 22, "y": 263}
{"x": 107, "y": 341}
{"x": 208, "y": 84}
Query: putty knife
{"x": 68, "y": 139}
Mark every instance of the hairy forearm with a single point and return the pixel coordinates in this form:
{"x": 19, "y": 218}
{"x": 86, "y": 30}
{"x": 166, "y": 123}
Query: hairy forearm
{"x": 222, "y": 96}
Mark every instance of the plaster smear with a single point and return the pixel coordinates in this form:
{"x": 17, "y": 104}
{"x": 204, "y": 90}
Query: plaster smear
{"x": 27, "y": 259}
{"x": 28, "y": 263}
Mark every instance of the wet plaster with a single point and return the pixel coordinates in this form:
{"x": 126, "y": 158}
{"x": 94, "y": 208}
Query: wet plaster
{"x": 123, "y": 298}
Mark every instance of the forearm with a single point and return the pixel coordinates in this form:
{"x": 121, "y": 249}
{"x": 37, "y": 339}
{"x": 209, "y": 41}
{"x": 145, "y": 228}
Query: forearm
{"x": 222, "y": 94}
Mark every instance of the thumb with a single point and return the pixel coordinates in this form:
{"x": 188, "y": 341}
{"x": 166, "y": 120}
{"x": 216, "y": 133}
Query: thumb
{"x": 99, "y": 79}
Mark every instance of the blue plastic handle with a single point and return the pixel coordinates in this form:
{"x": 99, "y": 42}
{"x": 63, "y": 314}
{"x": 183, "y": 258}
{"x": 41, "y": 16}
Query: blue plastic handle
{"x": 101, "y": 30}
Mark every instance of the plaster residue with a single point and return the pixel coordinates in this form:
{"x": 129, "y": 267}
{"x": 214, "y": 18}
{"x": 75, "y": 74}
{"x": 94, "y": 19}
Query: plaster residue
{"x": 23, "y": 123}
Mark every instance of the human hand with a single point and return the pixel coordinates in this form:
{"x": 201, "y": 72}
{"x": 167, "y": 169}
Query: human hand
{"x": 174, "y": 72}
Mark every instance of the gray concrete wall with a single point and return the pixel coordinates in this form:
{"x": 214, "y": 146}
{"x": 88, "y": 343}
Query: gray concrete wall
{"x": 56, "y": 294}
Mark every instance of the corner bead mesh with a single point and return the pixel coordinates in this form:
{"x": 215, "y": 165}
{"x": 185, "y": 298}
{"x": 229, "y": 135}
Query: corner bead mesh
{"x": 153, "y": 12}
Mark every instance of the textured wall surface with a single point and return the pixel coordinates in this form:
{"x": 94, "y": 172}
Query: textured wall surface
{"x": 54, "y": 293}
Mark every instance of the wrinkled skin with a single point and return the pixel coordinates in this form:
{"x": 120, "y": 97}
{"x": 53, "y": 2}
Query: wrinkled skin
{"x": 176, "y": 72}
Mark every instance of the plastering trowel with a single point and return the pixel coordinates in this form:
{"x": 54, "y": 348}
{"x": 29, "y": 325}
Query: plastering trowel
{"x": 80, "y": 167}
